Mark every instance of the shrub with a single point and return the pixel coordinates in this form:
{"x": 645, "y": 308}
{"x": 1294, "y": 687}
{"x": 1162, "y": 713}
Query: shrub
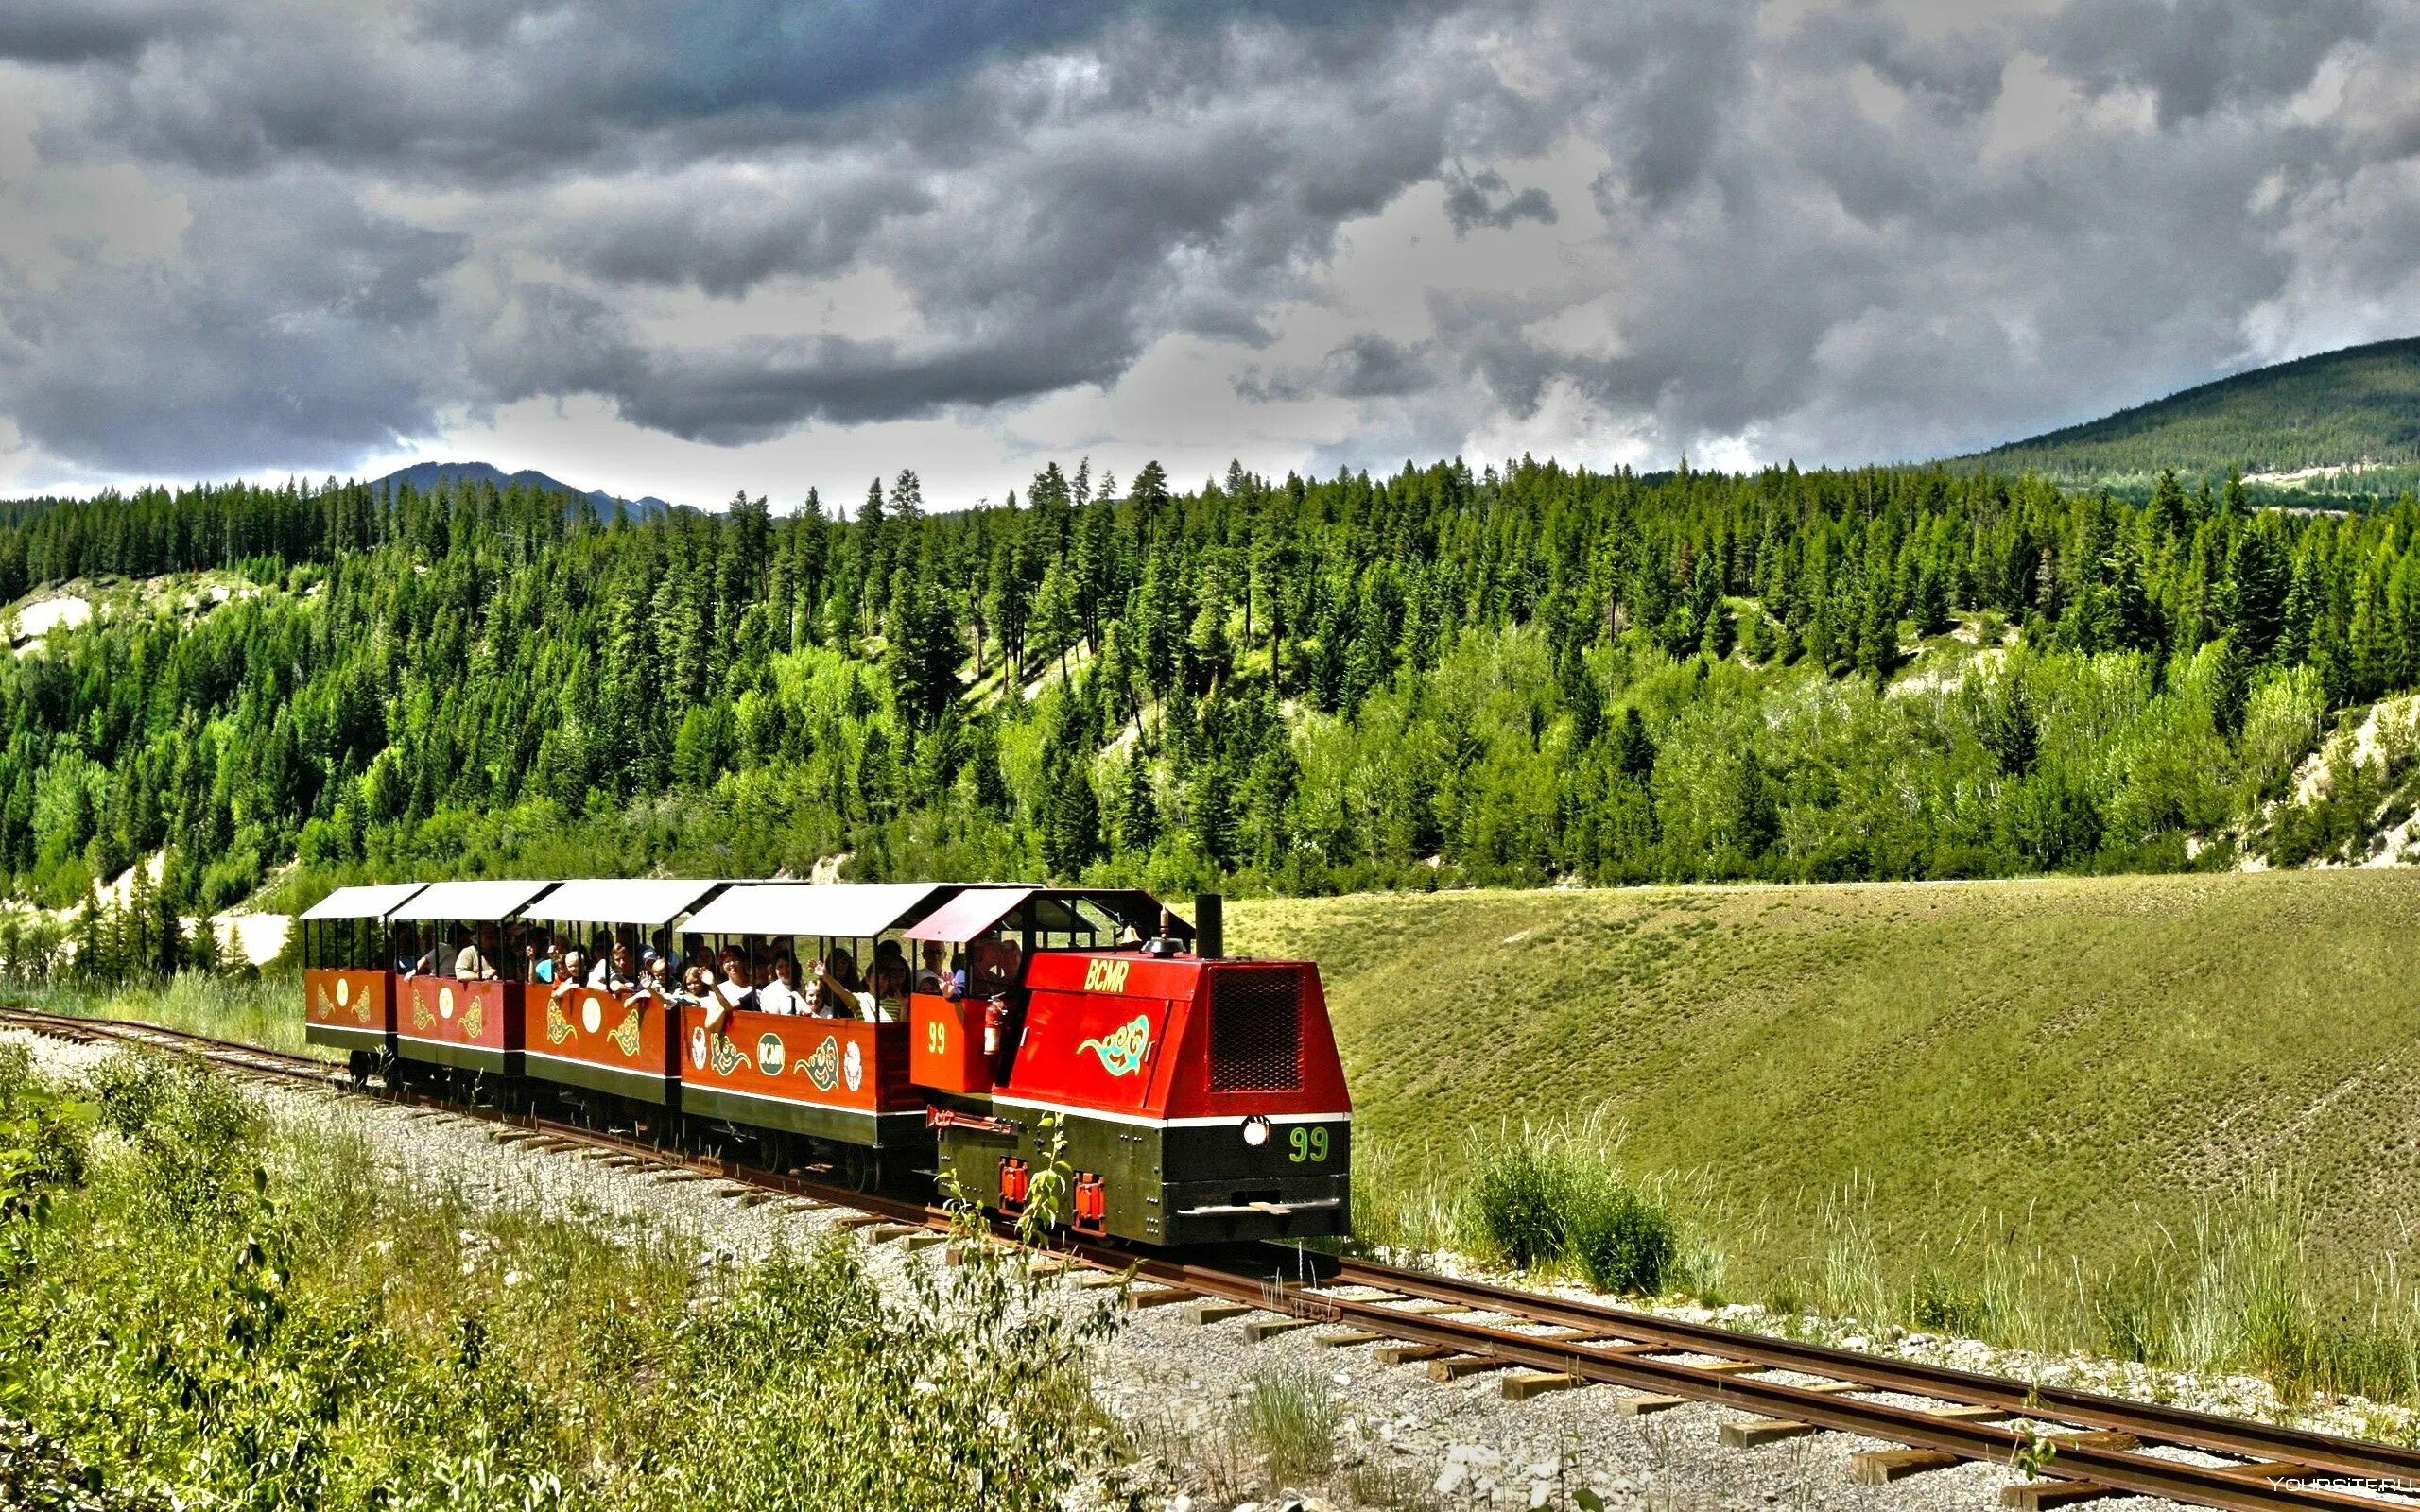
{"x": 1622, "y": 1240}
{"x": 196, "y": 1134}
{"x": 1519, "y": 1194}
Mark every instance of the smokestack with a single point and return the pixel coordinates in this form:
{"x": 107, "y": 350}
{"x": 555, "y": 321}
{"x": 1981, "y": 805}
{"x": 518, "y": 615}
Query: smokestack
{"x": 1209, "y": 925}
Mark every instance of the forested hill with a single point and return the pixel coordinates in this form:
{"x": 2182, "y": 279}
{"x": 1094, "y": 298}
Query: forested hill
{"x": 1437, "y": 676}
{"x": 2358, "y": 405}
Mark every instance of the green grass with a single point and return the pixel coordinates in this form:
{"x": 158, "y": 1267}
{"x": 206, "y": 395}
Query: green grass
{"x": 2004, "y": 1105}
{"x": 265, "y": 1010}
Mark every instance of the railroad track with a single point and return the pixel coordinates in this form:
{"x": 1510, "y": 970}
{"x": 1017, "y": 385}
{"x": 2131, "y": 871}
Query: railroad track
{"x": 2082, "y": 1445}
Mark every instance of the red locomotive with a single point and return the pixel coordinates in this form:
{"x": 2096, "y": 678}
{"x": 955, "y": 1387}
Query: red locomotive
{"x": 1194, "y": 1098}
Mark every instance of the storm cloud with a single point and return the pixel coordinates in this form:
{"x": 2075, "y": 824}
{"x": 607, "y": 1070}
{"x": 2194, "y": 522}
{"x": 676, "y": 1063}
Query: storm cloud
{"x": 244, "y": 235}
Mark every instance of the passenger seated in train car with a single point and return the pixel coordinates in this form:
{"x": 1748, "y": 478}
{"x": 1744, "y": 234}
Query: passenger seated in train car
{"x": 781, "y": 994}
{"x": 697, "y": 984}
{"x": 734, "y": 993}
{"x": 474, "y": 961}
{"x": 406, "y": 951}
{"x": 567, "y": 975}
{"x": 839, "y": 992}
{"x": 656, "y": 976}
{"x": 997, "y": 964}
{"x": 891, "y": 978}
{"x": 935, "y": 974}
{"x": 618, "y": 972}
{"x": 542, "y": 955}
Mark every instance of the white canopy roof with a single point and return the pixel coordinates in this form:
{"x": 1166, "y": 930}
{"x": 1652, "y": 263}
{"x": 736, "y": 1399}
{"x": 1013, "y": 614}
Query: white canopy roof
{"x": 611, "y": 901}
{"x": 477, "y": 902}
{"x": 843, "y": 910}
{"x": 375, "y": 901}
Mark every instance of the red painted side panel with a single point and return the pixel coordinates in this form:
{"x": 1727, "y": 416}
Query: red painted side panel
{"x": 349, "y": 1000}
{"x": 1094, "y": 1050}
{"x": 839, "y": 1063}
{"x": 946, "y": 1047}
{"x": 442, "y": 1010}
{"x": 1121, "y": 1033}
{"x": 618, "y": 1033}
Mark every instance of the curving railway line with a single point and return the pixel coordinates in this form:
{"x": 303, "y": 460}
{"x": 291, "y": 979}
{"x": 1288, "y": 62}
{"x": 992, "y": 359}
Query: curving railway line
{"x": 2082, "y": 1445}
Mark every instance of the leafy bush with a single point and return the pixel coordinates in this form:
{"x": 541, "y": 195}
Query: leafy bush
{"x": 1622, "y": 1240}
{"x": 1545, "y": 1196}
{"x": 196, "y": 1134}
{"x": 262, "y": 1316}
{"x": 1519, "y": 1194}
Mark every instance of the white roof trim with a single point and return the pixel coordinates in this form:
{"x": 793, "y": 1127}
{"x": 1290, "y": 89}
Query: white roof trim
{"x": 375, "y": 901}
{"x": 843, "y": 910}
{"x": 622, "y": 900}
{"x": 480, "y": 902}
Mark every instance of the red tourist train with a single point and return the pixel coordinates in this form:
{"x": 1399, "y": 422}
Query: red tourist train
{"x": 1195, "y": 1098}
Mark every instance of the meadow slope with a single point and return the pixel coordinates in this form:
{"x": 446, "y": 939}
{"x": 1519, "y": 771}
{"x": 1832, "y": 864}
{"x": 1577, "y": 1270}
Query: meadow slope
{"x": 2057, "y": 1061}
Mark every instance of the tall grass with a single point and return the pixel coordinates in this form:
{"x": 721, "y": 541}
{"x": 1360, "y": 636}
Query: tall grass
{"x": 1289, "y": 1415}
{"x": 265, "y": 1010}
{"x": 1554, "y": 1197}
{"x": 2235, "y": 1291}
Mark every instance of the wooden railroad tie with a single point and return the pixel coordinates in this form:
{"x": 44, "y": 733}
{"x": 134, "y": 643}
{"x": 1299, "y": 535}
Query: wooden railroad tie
{"x": 1268, "y": 1328}
{"x": 1755, "y": 1433}
{"x": 2036, "y": 1496}
{"x": 851, "y": 1223}
{"x": 925, "y": 1239}
{"x": 1142, "y": 1297}
{"x": 1642, "y": 1403}
{"x": 1100, "y": 1280}
{"x": 1880, "y": 1467}
{"x": 1345, "y": 1339}
{"x": 1520, "y": 1386}
{"x": 1410, "y": 1353}
{"x": 884, "y": 1233}
{"x": 1204, "y": 1313}
{"x": 1454, "y": 1368}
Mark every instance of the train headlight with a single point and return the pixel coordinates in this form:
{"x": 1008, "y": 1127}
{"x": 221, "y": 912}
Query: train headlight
{"x": 1255, "y": 1131}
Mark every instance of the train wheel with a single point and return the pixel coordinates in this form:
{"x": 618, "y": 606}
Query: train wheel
{"x": 859, "y": 1168}
{"x": 359, "y": 1064}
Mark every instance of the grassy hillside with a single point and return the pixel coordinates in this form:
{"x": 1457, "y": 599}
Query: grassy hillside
{"x": 2359, "y": 404}
{"x": 2059, "y": 1061}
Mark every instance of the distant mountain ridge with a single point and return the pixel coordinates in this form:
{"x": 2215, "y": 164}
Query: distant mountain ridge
{"x": 2355, "y": 407}
{"x": 424, "y": 476}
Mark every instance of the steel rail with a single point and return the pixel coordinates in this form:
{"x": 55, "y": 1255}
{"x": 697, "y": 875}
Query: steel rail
{"x": 2225, "y": 1486}
{"x": 2150, "y": 1422}
{"x": 1618, "y": 1347}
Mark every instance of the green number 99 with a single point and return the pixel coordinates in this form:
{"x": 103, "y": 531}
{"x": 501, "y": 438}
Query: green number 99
{"x": 1307, "y": 1143}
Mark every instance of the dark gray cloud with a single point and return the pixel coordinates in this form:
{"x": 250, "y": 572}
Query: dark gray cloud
{"x": 252, "y": 234}
{"x": 2195, "y": 58}
{"x": 1484, "y": 198}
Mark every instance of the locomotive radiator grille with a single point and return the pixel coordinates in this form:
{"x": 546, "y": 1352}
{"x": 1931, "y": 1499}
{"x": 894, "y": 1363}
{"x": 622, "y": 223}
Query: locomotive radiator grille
{"x": 1255, "y": 1031}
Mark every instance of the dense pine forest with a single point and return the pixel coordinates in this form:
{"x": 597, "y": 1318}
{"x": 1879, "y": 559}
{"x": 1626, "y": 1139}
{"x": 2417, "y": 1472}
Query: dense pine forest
{"x": 1436, "y": 678}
